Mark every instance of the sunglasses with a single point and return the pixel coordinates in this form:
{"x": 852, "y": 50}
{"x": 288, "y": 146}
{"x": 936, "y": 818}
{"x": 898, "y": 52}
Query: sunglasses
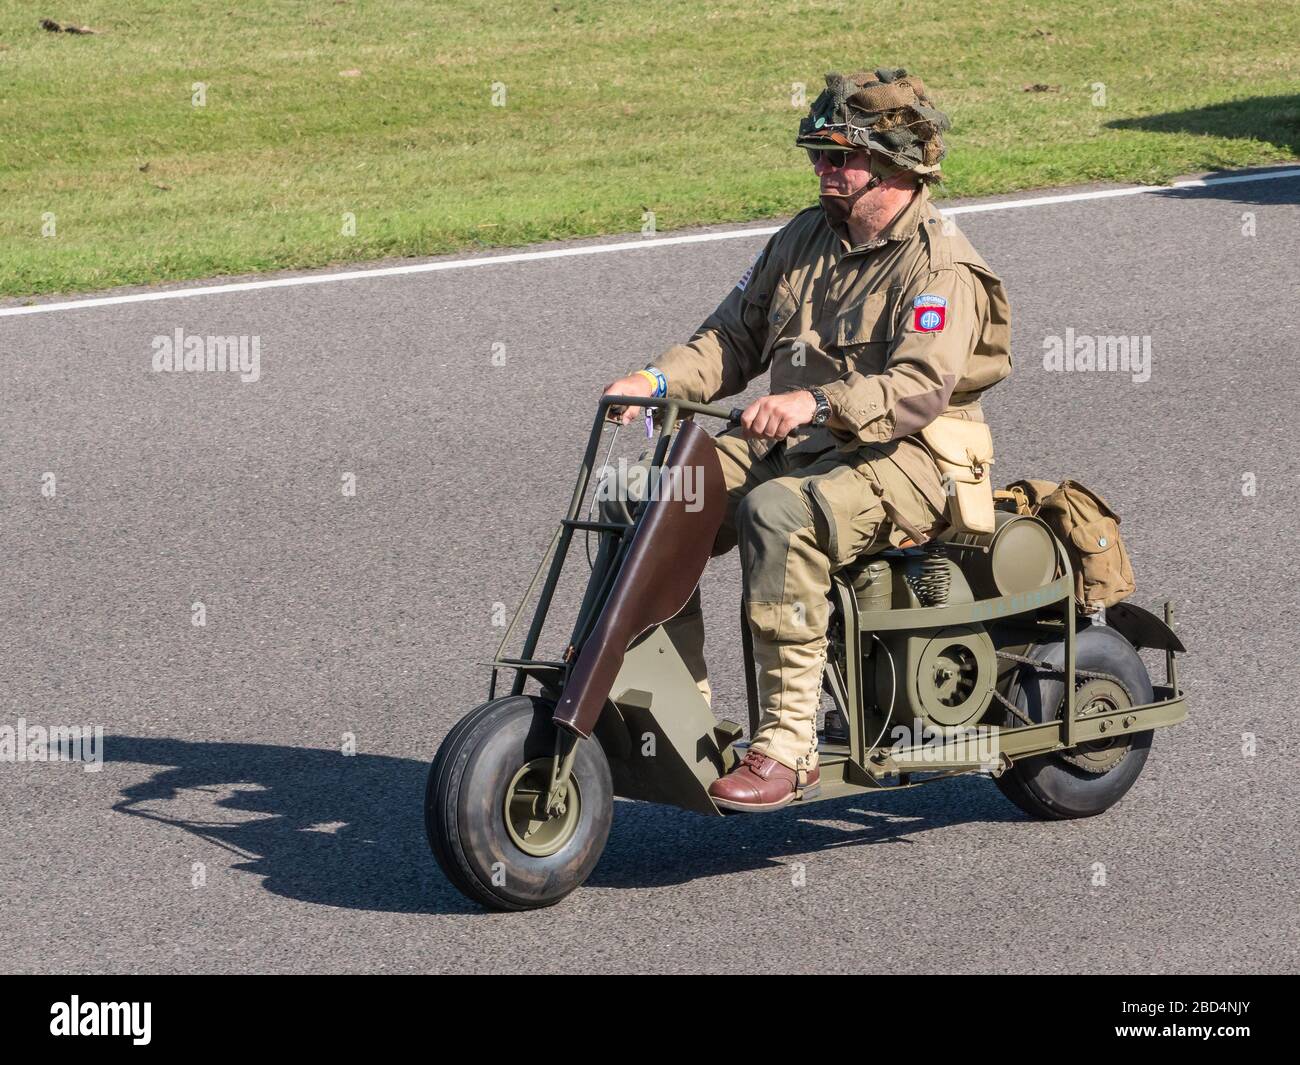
{"x": 835, "y": 157}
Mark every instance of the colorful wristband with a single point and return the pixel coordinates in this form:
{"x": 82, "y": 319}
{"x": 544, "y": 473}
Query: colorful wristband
{"x": 656, "y": 378}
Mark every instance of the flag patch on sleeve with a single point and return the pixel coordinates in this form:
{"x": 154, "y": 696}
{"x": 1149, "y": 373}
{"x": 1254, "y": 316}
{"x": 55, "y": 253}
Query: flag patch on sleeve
{"x": 744, "y": 278}
{"x": 929, "y": 313}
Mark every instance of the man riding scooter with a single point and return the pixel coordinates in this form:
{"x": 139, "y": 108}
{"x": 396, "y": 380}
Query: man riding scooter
{"x": 875, "y": 317}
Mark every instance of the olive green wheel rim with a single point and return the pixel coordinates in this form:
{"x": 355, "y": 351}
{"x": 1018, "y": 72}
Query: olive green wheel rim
{"x": 531, "y": 829}
{"x": 1098, "y": 696}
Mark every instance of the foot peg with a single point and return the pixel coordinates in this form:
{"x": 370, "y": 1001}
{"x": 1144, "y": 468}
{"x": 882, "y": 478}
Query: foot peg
{"x": 835, "y": 729}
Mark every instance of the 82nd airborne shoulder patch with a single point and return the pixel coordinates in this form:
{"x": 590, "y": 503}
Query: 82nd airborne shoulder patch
{"x": 929, "y": 313}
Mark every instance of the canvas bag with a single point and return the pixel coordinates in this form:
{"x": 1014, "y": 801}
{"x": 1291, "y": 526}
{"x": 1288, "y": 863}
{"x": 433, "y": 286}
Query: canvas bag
{"x": 963, "y": 451}
{"x": 1089, "y": 529}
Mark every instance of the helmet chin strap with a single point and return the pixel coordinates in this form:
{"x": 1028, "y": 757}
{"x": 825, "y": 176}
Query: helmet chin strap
{"x": 840, "y": 207}
{"x": 879, "y": 175}
{"x": 852, "y": 197}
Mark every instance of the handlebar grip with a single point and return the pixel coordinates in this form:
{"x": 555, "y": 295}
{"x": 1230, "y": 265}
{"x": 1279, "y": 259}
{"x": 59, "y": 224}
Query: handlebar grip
{"x": 734, "y": 417}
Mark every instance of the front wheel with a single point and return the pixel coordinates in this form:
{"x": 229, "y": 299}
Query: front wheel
{"x": 1092, "y": 777}
{"x": 485, "y": 807}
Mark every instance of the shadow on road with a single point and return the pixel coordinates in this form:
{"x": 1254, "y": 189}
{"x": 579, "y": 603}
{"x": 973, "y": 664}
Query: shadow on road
{"x": 653, "y": 846}
{"x": 318, "y": 826}
{"x": 349, "y": 832}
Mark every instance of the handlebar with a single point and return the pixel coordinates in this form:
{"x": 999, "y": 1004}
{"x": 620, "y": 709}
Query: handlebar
{"x": 678, "y": 406}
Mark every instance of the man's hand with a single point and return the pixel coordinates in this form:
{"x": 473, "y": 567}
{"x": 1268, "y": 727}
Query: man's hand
{"x": 632, "y": 385}
{"x": 775, "y": 417}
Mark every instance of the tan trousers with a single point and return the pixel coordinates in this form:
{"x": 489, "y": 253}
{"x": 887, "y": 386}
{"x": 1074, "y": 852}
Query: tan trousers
{"x": 798, "y": 515}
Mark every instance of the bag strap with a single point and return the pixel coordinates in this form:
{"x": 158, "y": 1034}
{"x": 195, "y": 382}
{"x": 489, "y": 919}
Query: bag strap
{"x": 917, "y": 536}
{"x": 1017, "y": 495}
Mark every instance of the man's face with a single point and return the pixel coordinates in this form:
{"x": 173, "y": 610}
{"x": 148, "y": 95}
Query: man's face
{"x": 843, "y": 176}
{"x": 841, "y": 173}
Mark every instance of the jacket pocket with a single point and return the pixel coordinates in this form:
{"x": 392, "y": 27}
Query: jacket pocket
{"x": 865, "y": 332}
{"x": 780, "y": 313}
{"x": 781, "y": 309}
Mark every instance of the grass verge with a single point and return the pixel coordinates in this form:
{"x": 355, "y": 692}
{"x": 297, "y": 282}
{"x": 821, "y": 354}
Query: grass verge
{"x": 352, "y": 130}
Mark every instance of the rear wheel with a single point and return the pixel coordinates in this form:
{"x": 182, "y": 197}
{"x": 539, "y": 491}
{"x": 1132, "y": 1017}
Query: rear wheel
{"x": 1092, "y": 777}
{"x": 486, "y": 811}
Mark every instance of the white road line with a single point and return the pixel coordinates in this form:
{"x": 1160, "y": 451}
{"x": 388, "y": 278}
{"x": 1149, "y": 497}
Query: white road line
{"x": 599, "y": 249}
{"x": 1128, "y": 190}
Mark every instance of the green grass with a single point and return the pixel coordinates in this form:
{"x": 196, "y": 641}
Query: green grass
{"x": 612, "y": 108}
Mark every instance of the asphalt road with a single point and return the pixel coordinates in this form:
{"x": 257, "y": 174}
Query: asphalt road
{"x": 226, "y": 831}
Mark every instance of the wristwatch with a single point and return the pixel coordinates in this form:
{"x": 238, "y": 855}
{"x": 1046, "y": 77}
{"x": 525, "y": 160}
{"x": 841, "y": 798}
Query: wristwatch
{"x": 823, "y": 410}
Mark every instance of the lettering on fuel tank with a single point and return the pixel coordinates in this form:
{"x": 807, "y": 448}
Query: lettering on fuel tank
{"x": 1014, "y": 604}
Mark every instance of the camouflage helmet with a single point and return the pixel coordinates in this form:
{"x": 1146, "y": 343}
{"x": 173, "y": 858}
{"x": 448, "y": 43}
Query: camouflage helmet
{"x": 887, "y": 112}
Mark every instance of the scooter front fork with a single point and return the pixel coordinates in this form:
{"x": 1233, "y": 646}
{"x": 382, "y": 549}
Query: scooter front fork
{"x": 566, "y": 750}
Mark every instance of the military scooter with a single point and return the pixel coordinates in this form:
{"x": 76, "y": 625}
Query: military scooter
{"x": 967, "y": 654}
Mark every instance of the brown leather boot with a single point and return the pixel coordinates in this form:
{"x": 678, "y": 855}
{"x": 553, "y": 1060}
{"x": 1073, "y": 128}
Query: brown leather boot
{"x": 760, "y": 784}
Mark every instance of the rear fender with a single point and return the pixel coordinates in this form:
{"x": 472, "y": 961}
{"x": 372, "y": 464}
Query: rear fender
{"x": 1142, "y": 628}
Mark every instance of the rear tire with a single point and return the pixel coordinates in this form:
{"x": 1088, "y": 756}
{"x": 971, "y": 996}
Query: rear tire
{"x": 482, "y": 813}
{"x": 1052, "y": 786}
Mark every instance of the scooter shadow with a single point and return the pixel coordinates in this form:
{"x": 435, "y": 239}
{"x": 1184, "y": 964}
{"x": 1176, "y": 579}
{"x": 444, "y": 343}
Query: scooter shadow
{"x": 655, "y": 846}
{"x": 342, "y": 831}
{"x": 318, "y": 826}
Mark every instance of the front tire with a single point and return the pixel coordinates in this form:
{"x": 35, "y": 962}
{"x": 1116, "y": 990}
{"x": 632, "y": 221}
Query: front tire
{"x": 1090, "y": 778}
{"x": 484, "y": 807}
